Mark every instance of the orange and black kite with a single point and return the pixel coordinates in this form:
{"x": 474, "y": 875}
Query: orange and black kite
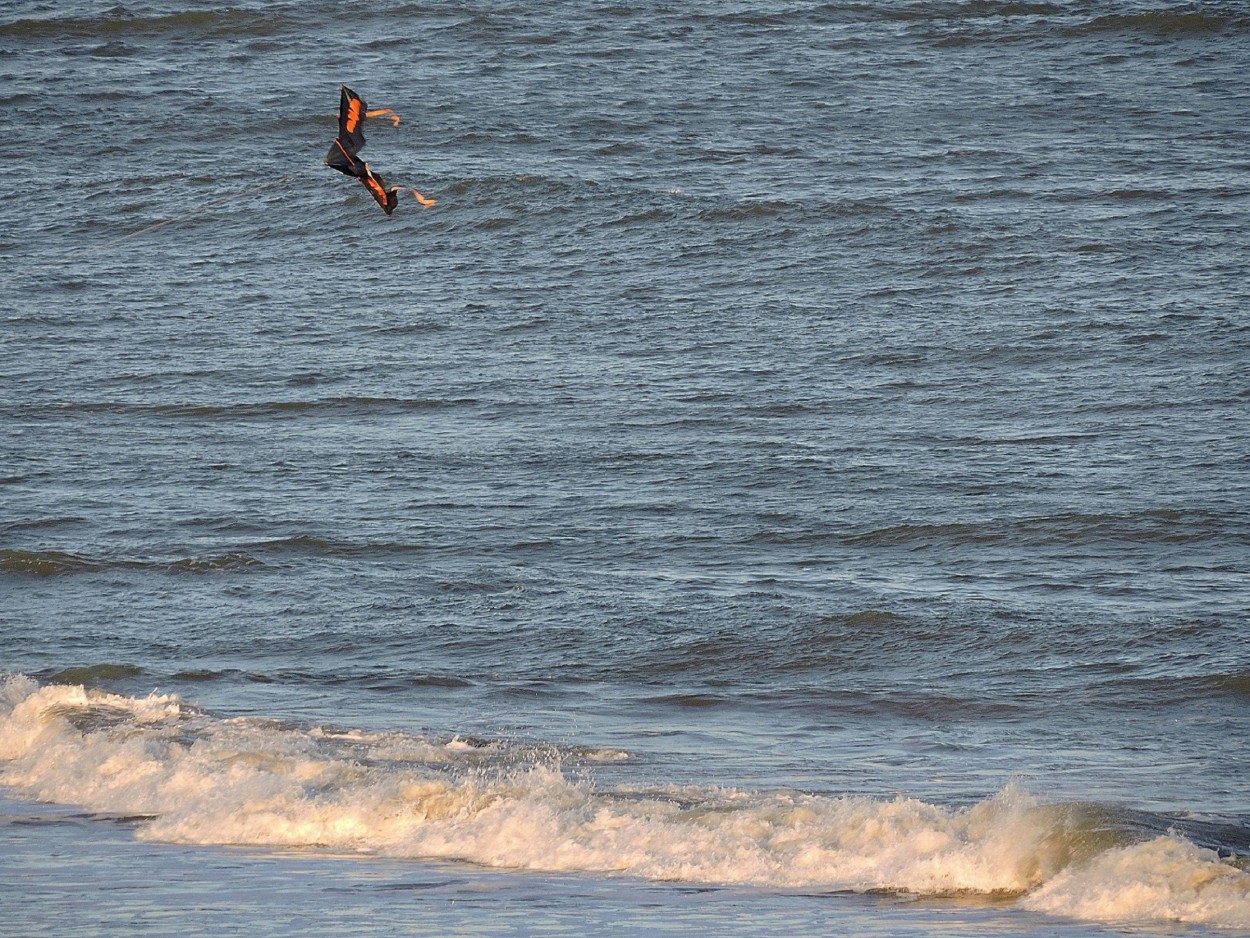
{"x": 351, "y": 140}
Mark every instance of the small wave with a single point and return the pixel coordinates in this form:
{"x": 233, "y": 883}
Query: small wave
{"x": 95, "y": 674}
{"x": 198, "y": 675}
{"x": 109, "y": 50}
{"x": 48, "y": 563}
{"x": 230, "y": 561}
{"x": 929, "y": 535}
{"x": 1153, "y": 526}
{"x": 331, "y": 405}
{"x": 977, "y": 9}
{"x": 486, "y": 187}
{"x": 45, "y": 562}
{"x": 314, "y": 546}
{"x": 1135, "y": 691}
{"x": 219, "y": 23}
{"x": 440, "y": 680}
{"x": 1235, "y": 684}
{"x": 959, "y": 25}
{"x": 688, "y": 701}
{"x": 41, "y": 524}
{"x": 746, "y": 211}
{"x": 1165, "y": 23}
{"x": 642, "y": 217}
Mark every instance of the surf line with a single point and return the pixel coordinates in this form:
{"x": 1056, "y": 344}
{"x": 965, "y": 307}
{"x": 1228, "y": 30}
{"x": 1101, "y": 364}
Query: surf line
{"x": 251, "y": 189}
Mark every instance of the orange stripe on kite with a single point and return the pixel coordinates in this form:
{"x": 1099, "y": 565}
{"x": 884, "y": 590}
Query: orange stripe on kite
{"x": 375, "y": 187}
{"x": 353, "y": 115}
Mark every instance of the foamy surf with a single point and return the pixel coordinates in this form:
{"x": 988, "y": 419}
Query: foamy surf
{"x": 197, "y": 779}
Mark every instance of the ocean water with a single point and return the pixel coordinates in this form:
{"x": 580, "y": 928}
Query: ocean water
{"x": 793, "y": 482}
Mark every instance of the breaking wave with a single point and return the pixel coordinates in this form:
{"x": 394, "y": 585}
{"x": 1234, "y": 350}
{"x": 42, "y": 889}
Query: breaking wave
{"x": 193, "y": 778}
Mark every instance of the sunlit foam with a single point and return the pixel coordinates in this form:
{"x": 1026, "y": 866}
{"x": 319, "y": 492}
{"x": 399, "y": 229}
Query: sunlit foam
{"x": 242, "y": 781}
{"x": 1165, "y": 879}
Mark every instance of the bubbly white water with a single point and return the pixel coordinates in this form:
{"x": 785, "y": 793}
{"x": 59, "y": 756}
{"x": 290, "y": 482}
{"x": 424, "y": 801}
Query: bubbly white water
{"x": 244, "y": 781}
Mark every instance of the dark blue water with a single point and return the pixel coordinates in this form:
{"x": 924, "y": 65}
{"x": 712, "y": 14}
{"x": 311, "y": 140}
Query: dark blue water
{"x": 803, "y": 451}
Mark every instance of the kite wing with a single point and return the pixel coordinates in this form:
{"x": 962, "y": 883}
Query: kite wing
{"x": 387, "y": 198}
{"x": 351, "y": 138}
{"x": 352, "y": 112}
{"x": 339, "y": 158}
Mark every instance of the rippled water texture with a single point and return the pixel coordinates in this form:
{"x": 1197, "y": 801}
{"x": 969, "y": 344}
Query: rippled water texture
{"x": 787, "y": 423}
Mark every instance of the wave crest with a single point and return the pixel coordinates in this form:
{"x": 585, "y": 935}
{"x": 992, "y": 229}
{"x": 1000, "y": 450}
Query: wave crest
{"x": 196, "y": 779}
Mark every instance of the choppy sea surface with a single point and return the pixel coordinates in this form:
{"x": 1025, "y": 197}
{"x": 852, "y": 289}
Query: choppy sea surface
{"x": 793, "y": 482}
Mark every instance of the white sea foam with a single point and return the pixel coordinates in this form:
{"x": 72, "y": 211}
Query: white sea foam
{"x": 1165, "y": 879}
{"x": 209, "y": 781}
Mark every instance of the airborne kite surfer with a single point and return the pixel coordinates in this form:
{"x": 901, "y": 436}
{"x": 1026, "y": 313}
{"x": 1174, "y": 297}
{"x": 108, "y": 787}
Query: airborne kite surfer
{"x": 351, "y": 140}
